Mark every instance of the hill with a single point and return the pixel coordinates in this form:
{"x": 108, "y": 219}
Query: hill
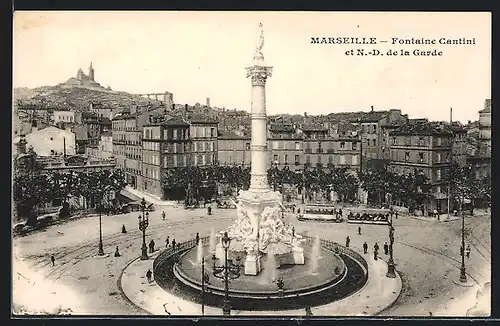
{"x": 76, "y": 97}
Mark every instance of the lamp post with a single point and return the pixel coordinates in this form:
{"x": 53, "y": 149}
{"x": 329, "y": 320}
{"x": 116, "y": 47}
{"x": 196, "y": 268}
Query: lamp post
{"x": 143, "y": 225}
{"x": 463, "y": 276}
{"x": 226, "y": 271}
{"x": 101, "y": 249}
{"x": 204, "y": 280}
{"x": 391, "y": 270}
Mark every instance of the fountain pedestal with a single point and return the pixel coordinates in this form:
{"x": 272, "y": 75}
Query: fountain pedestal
{"x": 298, "y": 255}
{"x": 253, "y": 264}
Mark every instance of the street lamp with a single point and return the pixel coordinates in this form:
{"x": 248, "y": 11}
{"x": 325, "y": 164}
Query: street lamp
{"x": 143, "y": 225}
{"x": 391, "y": 270}
{"x": 101, "y": 249}
{"x": 463, "y": 276}
{"x": 204, "y": 280}
{"x": 226, "y": 272}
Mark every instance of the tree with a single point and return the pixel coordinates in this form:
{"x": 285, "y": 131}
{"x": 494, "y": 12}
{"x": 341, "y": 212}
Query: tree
{"x": 29, "y": 191}
{"x": 463, "y": 184}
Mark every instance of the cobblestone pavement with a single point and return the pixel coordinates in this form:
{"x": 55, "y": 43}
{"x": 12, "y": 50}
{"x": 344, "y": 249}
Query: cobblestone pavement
{"x": 426, "y": 254}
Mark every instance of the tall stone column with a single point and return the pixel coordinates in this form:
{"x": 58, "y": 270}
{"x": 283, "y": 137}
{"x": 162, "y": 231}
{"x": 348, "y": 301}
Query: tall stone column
{"x": 259, "y": 74}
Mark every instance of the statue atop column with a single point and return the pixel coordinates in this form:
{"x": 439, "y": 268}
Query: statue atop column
{"x": 260, "y": 44}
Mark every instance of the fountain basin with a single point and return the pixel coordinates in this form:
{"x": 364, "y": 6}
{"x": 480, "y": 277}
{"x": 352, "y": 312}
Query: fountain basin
{"x": 299, "y": 280}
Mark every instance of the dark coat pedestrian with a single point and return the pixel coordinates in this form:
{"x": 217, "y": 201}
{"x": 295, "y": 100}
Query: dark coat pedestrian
{"x": 173, "y": 244}
{"x": 163, "y": 215}
{"x": 365, "y": 247}
{"x": 376, "y": 247}
{"x": 386, "y": 248}
{"x": 347, "y": 241}
{"x": 396, "y": 214}
{"x": 467, "y": 251}
{"x": 197, "y": 237}
{"x": 375, "y": 254}
{"x": 124, "y": 230}
{"x": 359, "y": 230}
{"x": 152, "y": 246}
{"x": 117, "y": 253}
{"x": 53, "y": 260}
{"x": 340, "y": 212}
{"x": 149, "y": 275}
{"x": 167, "y": 241}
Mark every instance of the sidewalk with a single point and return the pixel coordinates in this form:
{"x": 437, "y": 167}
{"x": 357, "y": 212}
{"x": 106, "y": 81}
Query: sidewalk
{"x": 378, "y": 293}
{"x": 150, "y": 198}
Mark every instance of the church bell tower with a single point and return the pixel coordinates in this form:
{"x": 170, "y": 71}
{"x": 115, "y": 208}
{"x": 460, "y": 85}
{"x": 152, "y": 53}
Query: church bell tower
{"x": 91, "y": 72}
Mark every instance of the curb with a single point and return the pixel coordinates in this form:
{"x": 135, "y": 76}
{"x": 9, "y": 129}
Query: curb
{"x": 120, "y": 287}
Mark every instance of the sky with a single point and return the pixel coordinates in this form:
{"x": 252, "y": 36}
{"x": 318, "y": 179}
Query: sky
{"x": 199, "y": 55}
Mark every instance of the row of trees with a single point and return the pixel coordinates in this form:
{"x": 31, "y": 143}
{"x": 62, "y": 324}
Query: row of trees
{"x": 413, "y": 189}
{"x": 33, "y": 189}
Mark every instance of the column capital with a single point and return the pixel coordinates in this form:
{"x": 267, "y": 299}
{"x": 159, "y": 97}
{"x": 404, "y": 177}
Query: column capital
{"x": 259, "y": 74}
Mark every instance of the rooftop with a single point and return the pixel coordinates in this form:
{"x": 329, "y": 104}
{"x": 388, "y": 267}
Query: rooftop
{"x": 422, "y": 128}
{"x": 487, "y": 106}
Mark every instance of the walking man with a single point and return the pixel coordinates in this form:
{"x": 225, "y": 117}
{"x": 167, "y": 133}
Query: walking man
{"x": 197, "y": 238}
{"x": 163, "y": 215}
{"x": 396, "y": 215}
{"x": 152, "y": 246}
{"x": 149, "y": 275}
{"x": 117, "y": 253}
{"x": 53, "y": 260}
{"x": 173, "y": 244}
{"x": 386, "y": 248}
{"x": 359, "y": 230}
{"x": 340, "y": 212}
{"x": 376, "y": 247}
{"x": 347, "y": 241}
{"x": 167, "y": 241}
{"x": 365, "y": 248}
{"x": 467, "y": 251}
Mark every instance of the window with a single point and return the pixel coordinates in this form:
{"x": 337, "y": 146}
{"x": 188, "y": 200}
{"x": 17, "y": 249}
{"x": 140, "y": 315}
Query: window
{"x": 275, "y": 158}
{"x": 308, "y": 159}
{"x": 438, "y": 158}
{"x": 438, "y": 174}
{"x": 175, "y": 148}
{"x": 421, "y": 141}
{"x": 174, "y": 135}
{"x": 175, "y": 160}
{"x": 374, "y": 142}
{"x": 355, "y": 160}
{"x": 195, "y": 147}
{"x": 297, "y": 160}
{"x": 354, "y": 146}
{"x": 212, "y": 132}
{"x": 439, "y": 141}
{"x": 342, "y": 145}
{"x": 374, "y": 129}
{"x": 407, "y": 156}
{"x": 342, "y": 159}
{"x": 421, "y": 157}
{"x": 286, "y": 159}
{"x": 247, "y": 146}
{"x": 275, "y": 145}
{"x": 319, "y": 159}
{"x": 297, "y": 145}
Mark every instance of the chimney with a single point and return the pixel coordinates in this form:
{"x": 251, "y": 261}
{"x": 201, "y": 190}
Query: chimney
{"x": 451, "y": 115}
{"x": 208, "y": 101}
{"x": 372, "y": 108}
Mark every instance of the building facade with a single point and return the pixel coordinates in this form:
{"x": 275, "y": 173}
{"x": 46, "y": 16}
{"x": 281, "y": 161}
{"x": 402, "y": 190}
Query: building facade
{"x": 203, "y": 133}
{"x": 51, "y": 141}
{"x": 233, "y": 149}
{"x": 165, "y": 145}
{"x": 485, "y": 125}
{"x": 424, "y": 148}
{"x": 64, "y": 116}
{"x": 106, "y": 145}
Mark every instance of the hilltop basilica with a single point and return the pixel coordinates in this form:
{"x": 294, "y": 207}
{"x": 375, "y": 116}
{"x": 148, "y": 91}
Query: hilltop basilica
{"x": 83, "y": 79}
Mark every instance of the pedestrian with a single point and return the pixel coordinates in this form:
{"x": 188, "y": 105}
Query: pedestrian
{"x": 53, "y": 260}
{"x": 167, "y": 241}
{"x": 375, "y": 254}
{"x": 149, "y": 275}
{"x": 308, "y": 311}
{"x": 209, "y": 210}
{"x": 396, "y": 215}
{"x": 386, "y": 248}
{"x": 117, "y": 253}
{"x": 152, "y": 246}
{"x": 467, "y": 251}
{"x": 347, "y": 241}
{"x": 163, "y": 215}
{"x": 340, "y": 212}
{"x": 359, "y": 230}
{"x": 365, "y": 247}
{"x": 197, "y": 238}
{"x": 124, "y": 230}
{"x": 173, "y": 244}
{"x": 376, "y": 247}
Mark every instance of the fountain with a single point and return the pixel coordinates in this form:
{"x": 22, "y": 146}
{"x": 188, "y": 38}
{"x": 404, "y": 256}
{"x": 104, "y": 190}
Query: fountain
{"x": 260, "y": 236}
{"x": 315, "y": 255}
{"x": 199, "y": 253}
{"x": 212, "y": 241}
